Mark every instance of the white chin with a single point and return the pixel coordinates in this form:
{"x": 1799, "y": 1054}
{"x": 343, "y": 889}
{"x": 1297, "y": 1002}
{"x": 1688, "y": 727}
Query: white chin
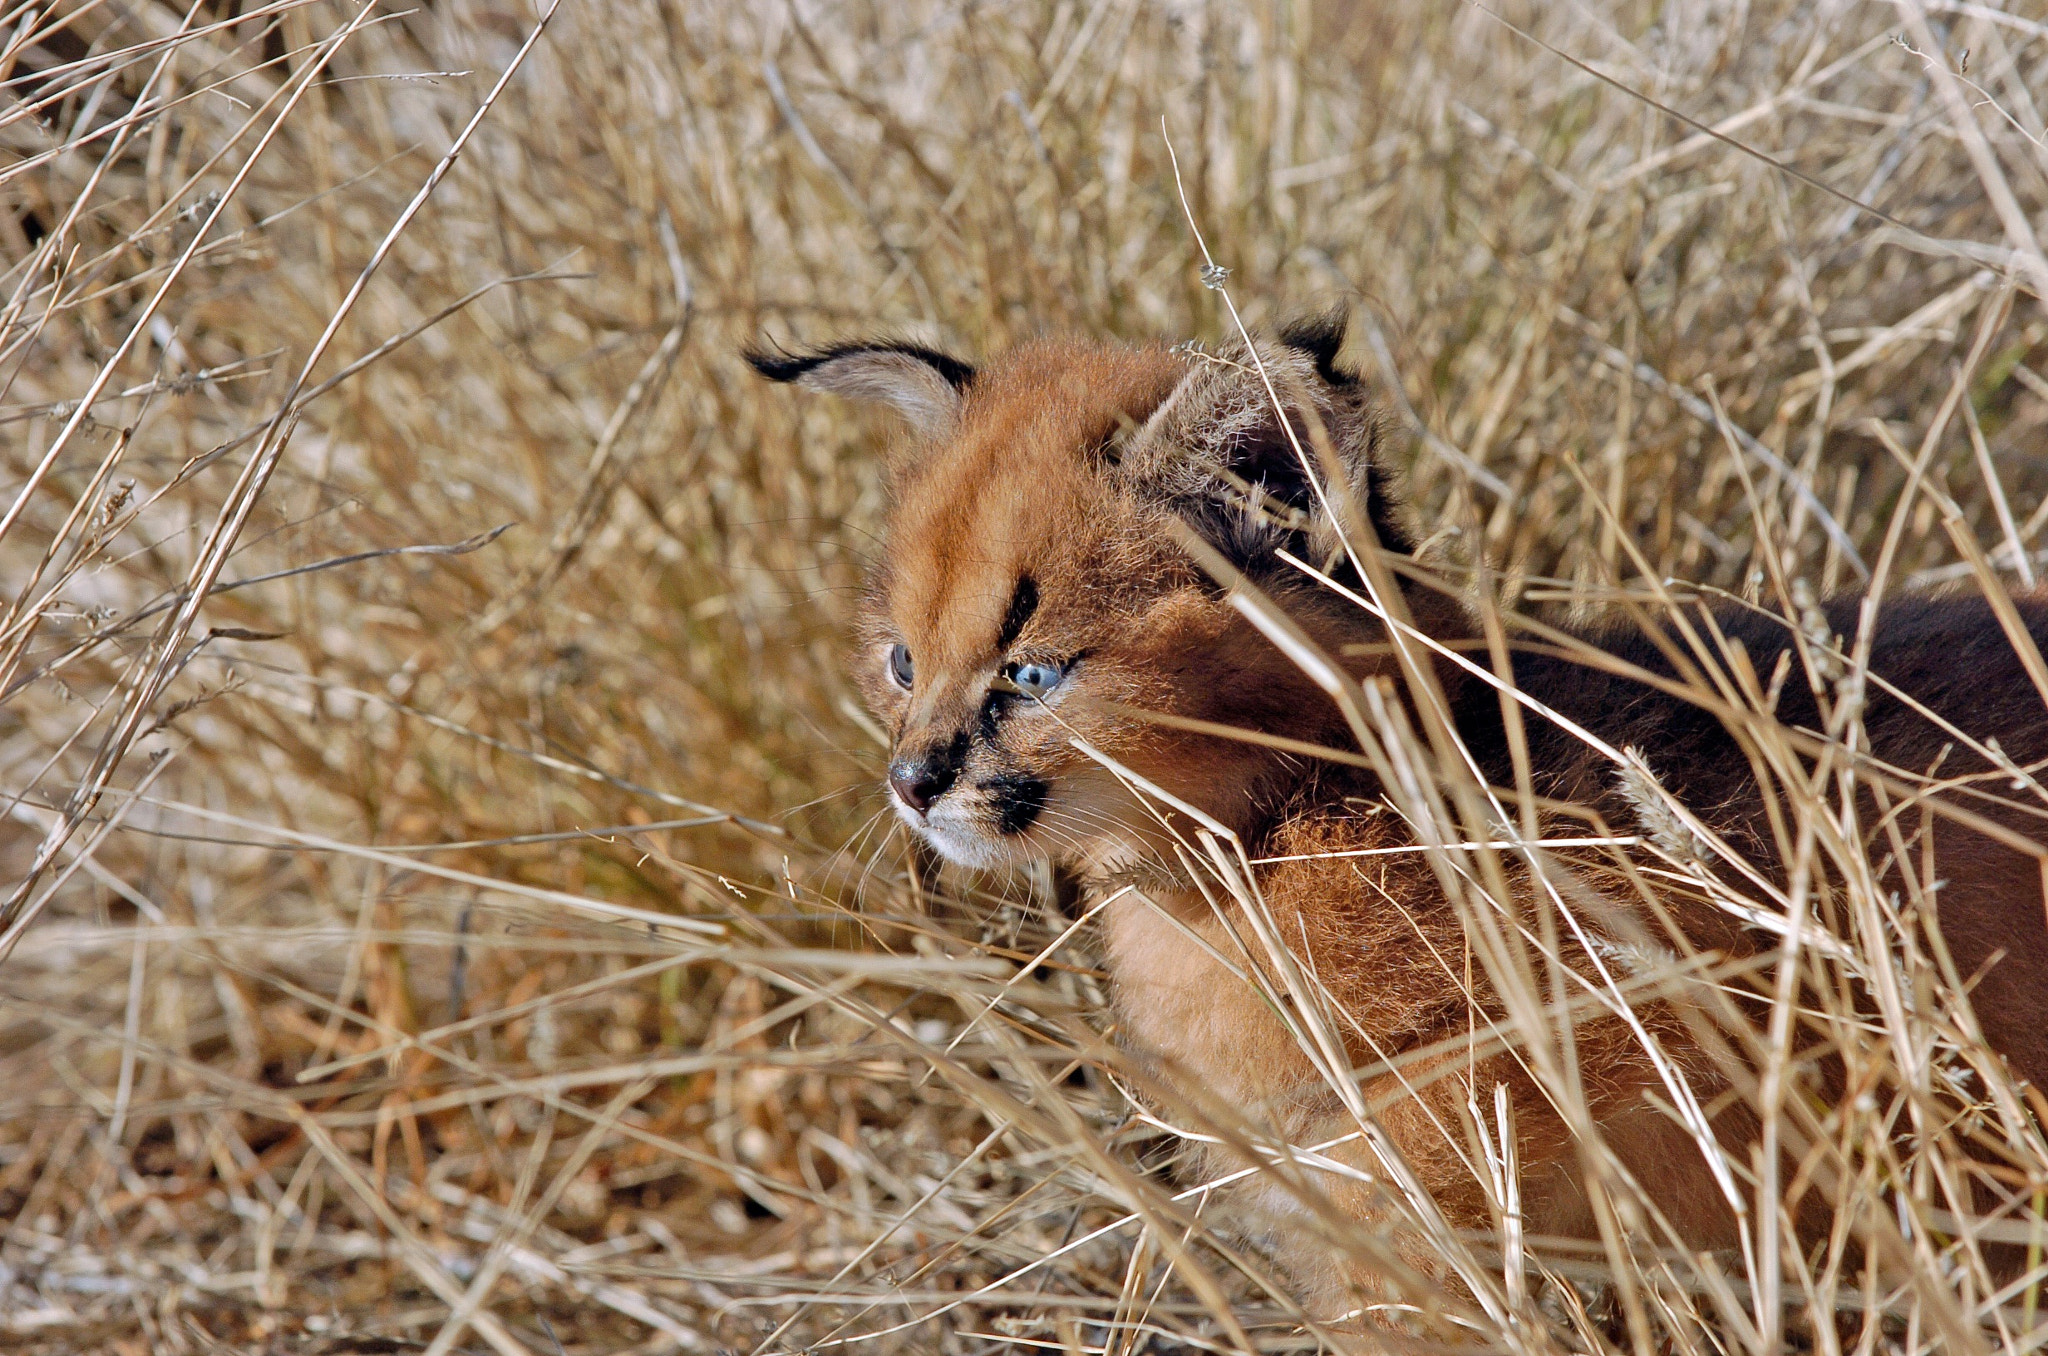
{"x": 963, "y": 844}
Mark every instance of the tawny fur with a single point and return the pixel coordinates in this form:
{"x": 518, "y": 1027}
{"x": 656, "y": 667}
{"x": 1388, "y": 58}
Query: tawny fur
{"x": 1053, "y": 486}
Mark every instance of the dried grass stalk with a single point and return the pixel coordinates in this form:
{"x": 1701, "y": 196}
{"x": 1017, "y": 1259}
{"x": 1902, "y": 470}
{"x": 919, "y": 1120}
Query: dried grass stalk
{"x": 510, "y": 954}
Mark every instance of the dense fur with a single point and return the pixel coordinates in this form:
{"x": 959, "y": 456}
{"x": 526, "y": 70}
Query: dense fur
{"x": 1037, "y": 590}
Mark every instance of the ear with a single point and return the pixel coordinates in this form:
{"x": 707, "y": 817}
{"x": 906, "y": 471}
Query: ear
{"x": 927, "y": 388}
{"x": 1220, "y": 454}
{"x": 1320, "y": 338}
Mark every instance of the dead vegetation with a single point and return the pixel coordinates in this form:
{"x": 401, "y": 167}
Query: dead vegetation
{"x": 427, "y": 935}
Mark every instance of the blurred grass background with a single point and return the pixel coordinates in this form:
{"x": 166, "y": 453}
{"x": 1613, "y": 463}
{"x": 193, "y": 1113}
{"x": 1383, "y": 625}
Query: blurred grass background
{"x": 377, "y": 783}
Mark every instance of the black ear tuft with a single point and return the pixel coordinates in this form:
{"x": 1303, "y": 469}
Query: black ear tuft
{"x": 926, "y": 387}
{"x": 780, "y": 365}
{"x": 1384, "y": 510}
{"x": 1321, "y": 337}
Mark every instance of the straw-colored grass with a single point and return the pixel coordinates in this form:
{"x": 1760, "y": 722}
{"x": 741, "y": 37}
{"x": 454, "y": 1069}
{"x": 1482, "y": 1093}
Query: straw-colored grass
{"x": 431, "y": 937}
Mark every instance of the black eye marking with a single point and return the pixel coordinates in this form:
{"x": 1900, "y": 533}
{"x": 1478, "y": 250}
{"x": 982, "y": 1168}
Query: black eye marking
{"x": 900, "y": 667}
{"x": 1023, "y": 603}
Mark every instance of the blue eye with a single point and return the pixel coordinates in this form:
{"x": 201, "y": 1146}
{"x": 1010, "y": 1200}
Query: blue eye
{"x": 1035, "y": 680}
{"x": 899, "y": 666}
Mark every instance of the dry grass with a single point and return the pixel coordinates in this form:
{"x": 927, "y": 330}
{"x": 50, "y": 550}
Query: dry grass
{"x": 432, "y": 923}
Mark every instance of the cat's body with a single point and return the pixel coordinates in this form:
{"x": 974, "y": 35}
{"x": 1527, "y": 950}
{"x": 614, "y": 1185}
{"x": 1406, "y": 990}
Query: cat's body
{"x": 1038, "y": 595}
{"x": 1948, "y": 655}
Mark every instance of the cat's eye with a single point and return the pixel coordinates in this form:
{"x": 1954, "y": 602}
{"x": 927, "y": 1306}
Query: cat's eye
{"x": 1035, "y": 680}
{"x": 899, "y": 665}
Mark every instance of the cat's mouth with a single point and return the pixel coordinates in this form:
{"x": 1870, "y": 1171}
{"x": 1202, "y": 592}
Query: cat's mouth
{"x": 983, "y": 826}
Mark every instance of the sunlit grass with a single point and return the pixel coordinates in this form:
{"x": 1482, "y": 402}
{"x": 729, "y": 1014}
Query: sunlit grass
{"x": 494, "y": 941}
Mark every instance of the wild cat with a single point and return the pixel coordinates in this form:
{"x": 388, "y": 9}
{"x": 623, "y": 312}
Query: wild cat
{"x": 1041, "y": 588}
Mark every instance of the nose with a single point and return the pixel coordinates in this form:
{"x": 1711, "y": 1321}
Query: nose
{"x": 919, "y": 782}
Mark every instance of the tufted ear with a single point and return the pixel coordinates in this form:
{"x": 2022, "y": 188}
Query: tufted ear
{"x": 926, "y": 387}
{"x": 1219, "y": 453}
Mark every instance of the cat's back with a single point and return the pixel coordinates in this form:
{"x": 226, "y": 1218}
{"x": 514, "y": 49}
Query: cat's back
{"x": 1950, "y": 714}
{"x": 1947, "y": 686}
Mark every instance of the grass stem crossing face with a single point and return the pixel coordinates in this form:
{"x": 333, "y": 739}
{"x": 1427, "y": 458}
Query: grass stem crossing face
{"x": 1039, "y": 596}
{"x": 1034, "y": 591}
